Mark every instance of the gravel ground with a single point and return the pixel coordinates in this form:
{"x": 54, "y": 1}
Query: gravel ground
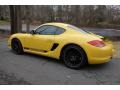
{"x": 11, "y": 79}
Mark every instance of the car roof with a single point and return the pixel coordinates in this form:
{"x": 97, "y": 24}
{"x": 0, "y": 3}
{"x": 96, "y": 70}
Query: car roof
{"x": 64, "y": 25}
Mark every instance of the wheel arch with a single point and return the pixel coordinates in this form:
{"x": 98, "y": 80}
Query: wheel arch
{"x": 15, "y": 38}
{"x": 69, "y": 44}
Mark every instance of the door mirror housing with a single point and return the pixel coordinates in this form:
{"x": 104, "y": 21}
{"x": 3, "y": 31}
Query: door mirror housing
{"x": 32, "y": 32}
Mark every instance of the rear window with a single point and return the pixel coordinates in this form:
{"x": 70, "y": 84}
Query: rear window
{"x": 59, "y": 31}
{"x": 77, "y": 29}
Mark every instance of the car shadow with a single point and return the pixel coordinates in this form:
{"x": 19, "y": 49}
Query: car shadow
{"x": 97, "y": 66}
{"x": 60, "y": 62}
{"x": 48, "y": 59}
{"x": 86, "y": 67}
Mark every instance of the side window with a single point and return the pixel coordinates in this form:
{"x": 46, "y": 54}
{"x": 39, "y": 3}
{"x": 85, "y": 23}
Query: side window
{"x": 38, "y": 30}
{"x": 59, "y": 31}
{"x": 49, "y": 31}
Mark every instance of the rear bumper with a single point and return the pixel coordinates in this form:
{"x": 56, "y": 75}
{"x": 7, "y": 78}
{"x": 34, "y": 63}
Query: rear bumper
{"x": 100, "y": 60}
{"x": 100, "y": 55}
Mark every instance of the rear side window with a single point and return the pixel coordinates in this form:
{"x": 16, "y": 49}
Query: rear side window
{"x": 77, "y": 29}
{"x": 59, "y": 31}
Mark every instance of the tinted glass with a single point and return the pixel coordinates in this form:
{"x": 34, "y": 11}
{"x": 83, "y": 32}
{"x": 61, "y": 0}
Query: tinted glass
{"x": 50, "y": 30}
{"x": 59, "y": 31}
{"x": 40, "y": 29}
{"x": 76, "y": 28}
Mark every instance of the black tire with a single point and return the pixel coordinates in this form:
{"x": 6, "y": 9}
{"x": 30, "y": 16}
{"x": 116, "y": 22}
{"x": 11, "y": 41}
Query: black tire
{"x": 17, "y": 46}
{"x": 74, "y": 57}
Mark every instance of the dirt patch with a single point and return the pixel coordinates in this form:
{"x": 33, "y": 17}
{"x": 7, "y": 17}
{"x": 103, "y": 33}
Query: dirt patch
{"x": 3, "y": 36}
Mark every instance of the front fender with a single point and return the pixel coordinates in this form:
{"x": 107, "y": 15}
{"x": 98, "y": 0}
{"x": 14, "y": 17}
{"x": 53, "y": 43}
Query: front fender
{"x": 19, "y": 36}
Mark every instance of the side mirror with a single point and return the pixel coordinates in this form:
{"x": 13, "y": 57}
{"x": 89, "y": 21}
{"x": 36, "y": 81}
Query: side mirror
{"x": 32, "y": 32}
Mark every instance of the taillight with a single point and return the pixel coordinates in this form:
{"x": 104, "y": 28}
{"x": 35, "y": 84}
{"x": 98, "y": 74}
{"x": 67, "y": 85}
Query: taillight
{"x": 97, "y": 43}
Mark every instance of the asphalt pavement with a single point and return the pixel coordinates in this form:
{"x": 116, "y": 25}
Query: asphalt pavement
{"x": 38, "y": 70}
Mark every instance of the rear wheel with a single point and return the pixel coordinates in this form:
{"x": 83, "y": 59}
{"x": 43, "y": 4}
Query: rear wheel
{"x": 74, "y": 57}
{"x": 17, "y": 46}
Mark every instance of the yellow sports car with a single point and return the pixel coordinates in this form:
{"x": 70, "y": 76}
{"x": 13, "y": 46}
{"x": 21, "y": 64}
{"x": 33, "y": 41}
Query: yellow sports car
{"x": 66, "y": 42}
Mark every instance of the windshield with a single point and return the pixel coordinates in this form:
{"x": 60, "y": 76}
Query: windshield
{"x": 77, "y": 29}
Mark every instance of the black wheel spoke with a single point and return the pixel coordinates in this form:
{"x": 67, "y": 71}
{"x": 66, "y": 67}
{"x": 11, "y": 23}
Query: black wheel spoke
{"x": 17, "y": 47}
{"x": 73, "y": 58}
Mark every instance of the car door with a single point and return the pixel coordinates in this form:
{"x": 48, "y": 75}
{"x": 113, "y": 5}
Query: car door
{"x": 42, "y": 40}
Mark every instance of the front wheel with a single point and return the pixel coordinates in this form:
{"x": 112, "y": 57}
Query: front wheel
{"x": 74, "y": 57}
{"x": 17, "y": 46}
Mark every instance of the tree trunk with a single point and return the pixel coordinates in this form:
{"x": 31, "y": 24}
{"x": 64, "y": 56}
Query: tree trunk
{"x": 15, "y": 14}
{"x": 27, "y": 19}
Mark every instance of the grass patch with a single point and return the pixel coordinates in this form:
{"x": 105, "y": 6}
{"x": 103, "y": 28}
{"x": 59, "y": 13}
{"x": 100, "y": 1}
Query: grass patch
{"x": 4, "y": 22}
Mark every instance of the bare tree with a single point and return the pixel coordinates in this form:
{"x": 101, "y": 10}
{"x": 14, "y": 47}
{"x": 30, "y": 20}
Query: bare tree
{"x": 27, "y": 19}
{"x": 80, "y": 15}
{"x": 15, "y": 14}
